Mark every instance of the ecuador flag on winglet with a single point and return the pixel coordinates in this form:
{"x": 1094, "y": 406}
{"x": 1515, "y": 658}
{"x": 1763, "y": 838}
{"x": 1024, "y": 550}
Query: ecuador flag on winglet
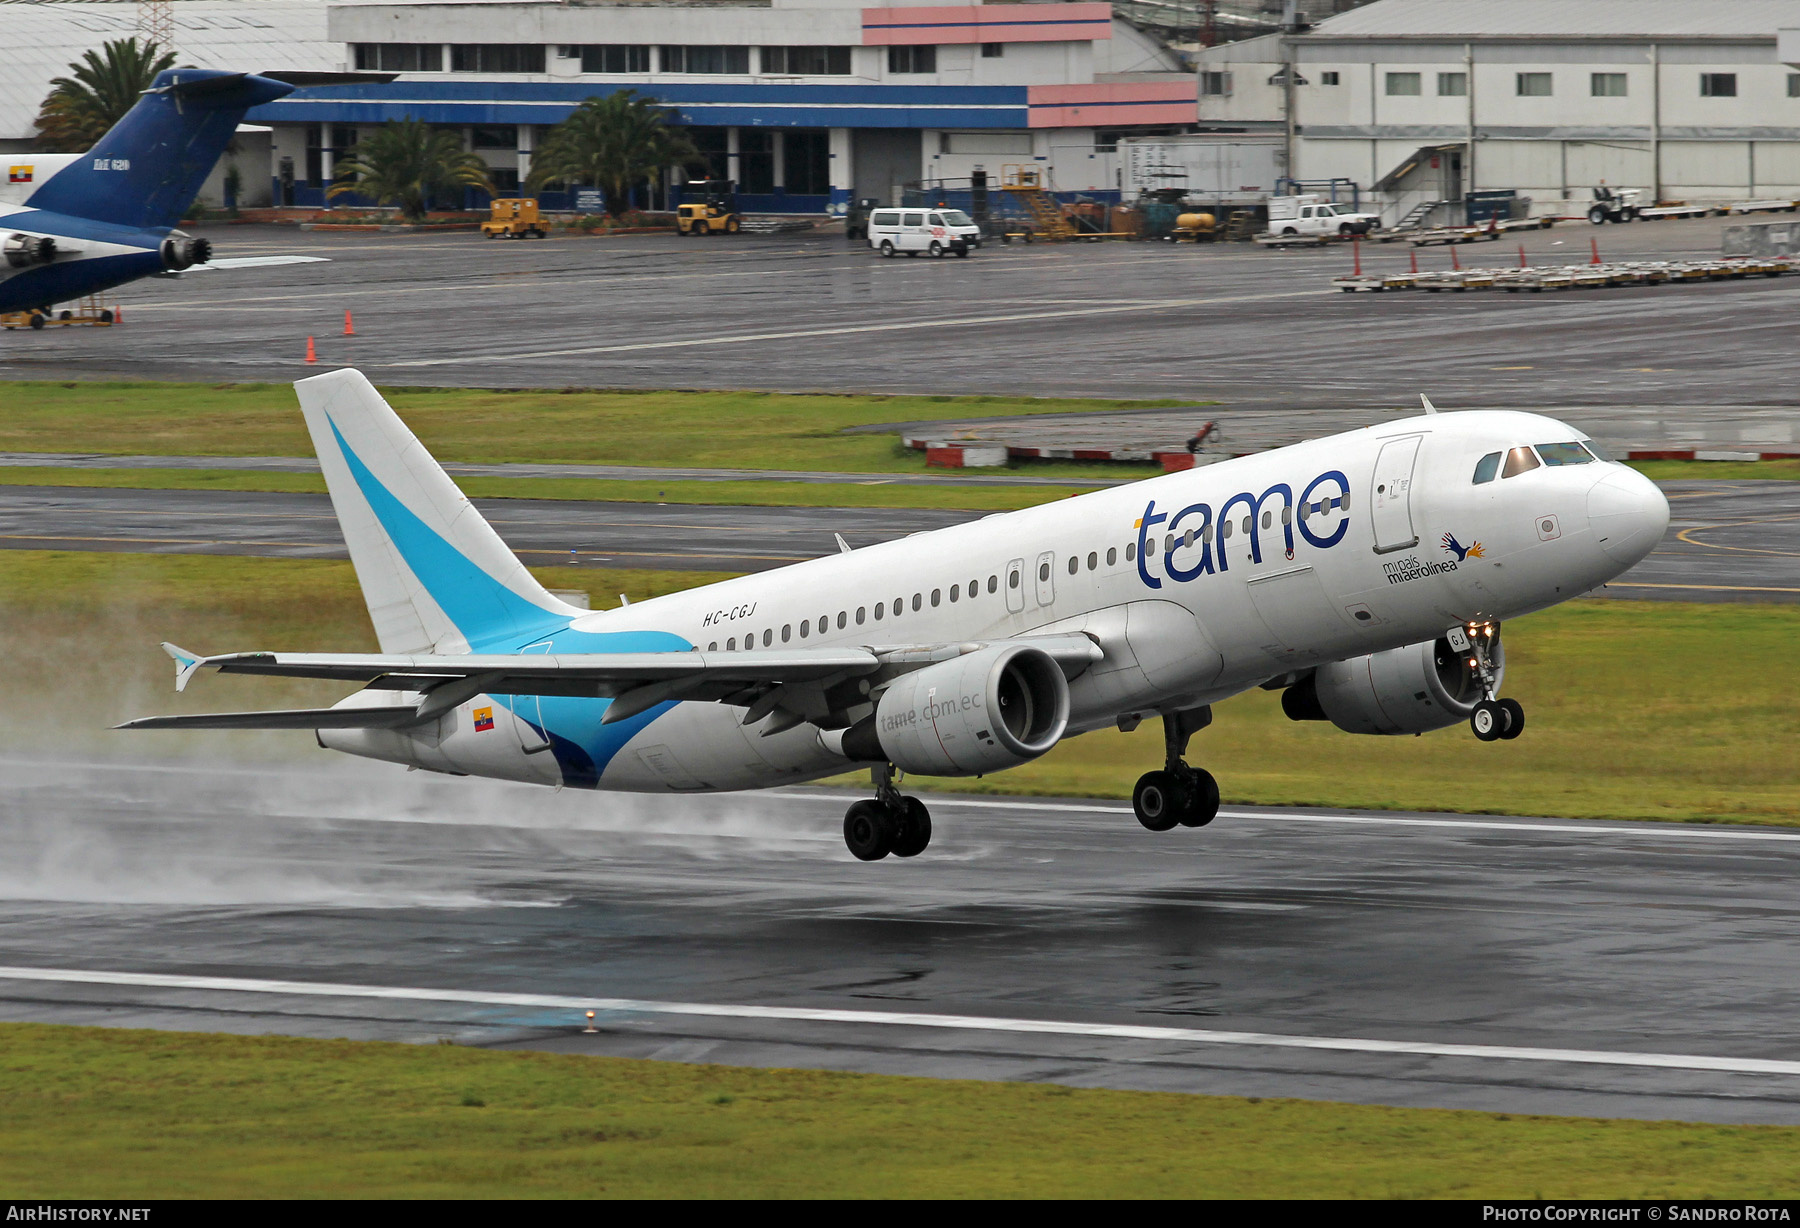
{"x": 484, "y": 719}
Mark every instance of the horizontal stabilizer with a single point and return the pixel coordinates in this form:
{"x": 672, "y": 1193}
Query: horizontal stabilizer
{"x": 294, "y": 718}
{"x": 255, "y": 262}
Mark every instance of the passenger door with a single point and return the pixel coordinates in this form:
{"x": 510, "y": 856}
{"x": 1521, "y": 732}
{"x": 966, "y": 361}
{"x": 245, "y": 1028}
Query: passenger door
{"x": 1390, "y": 495}
{"x": 913, "y": 237}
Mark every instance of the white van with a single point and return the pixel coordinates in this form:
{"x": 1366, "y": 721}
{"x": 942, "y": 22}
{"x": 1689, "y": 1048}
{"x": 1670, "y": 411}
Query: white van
{"x": 938, "y": 231}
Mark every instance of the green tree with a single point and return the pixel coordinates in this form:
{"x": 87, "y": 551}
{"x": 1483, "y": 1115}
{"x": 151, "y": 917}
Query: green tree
{"x": 101, "y": 87}
{"x": 405, "y": 162}
{"x": 613, "y": 142}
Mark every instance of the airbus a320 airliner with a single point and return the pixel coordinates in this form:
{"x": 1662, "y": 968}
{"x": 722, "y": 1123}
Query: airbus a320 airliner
{"x": 1365, "y": 575}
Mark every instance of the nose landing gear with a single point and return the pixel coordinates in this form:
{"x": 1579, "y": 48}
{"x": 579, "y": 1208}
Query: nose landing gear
{"x": 1178, "y": 795}
{"x": 890, "y": 822}
{"x": 1493, "y": 719}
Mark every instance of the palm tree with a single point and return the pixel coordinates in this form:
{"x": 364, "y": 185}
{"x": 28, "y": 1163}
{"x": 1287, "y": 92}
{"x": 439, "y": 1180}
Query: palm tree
{"x": 614, "y": 142}
{"x": 405, "y": 162}
{"x": 104, "y": 85}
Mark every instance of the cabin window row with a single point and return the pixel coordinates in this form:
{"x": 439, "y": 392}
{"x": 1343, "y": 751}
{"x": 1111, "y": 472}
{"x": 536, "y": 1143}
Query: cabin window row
{"x": 862, "y": 615}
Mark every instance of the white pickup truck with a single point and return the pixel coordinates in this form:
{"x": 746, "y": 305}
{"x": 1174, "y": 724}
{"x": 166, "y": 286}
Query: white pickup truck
{"x": 1311, "y": 215}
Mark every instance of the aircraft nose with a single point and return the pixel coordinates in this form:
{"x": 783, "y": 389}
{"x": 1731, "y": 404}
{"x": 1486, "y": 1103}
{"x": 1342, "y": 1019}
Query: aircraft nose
{"x": 1628, "y": 515}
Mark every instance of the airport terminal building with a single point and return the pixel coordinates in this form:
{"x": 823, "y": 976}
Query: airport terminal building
{"x": 806, "y": 104}
{"x": 1416, "y": 100}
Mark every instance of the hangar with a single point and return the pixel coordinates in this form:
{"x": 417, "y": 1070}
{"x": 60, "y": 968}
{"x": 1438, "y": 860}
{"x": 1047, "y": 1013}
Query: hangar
{"x": 1421, "y": 100}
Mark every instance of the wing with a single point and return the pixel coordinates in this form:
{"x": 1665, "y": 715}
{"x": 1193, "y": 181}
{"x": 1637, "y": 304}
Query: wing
{"x": 817, "y": 684}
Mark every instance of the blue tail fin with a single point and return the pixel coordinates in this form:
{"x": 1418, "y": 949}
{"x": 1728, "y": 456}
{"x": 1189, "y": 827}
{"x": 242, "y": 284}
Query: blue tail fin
{"x": 145, "y": 172}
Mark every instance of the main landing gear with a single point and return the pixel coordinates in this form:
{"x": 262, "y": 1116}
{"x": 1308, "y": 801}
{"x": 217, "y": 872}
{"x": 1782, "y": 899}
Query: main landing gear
{"x": 1493, "y": 719}
{"x": 1178, "y": 794}
{"x": 890, "y": 822}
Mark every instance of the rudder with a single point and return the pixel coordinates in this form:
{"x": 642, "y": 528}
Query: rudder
{"x": 147, "y": 169}
{"x": 435, "y": 575}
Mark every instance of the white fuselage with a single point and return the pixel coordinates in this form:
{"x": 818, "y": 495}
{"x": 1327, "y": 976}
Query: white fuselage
{"x": 1390, "y": 545}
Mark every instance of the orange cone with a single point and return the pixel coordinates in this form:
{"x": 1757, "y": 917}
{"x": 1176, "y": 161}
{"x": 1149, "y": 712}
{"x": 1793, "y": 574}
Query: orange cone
{"x": 1454, "y": 262}
{"x": 1595, "y": 243}
{"x": 118, "y": 314}
{"x": 349, "y": 325}
{"x": 312, "y": 355}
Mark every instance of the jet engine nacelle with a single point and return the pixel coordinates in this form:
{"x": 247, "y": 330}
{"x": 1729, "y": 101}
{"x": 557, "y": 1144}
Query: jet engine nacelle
{"x": 23, "y": 250}
{"x": 181, "y": 251}
{"x": 982, "y": 712}
{"x": 1404, "y": 690}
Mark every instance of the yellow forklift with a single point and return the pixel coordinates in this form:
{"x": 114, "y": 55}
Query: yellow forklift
{"x": 708, "y": 207}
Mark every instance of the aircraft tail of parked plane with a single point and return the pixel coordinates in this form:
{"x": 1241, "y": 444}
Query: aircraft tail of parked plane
{"x": 106, "y": 217}
{"x": 1335, "y": 571}
{"x": 147, "y": 169}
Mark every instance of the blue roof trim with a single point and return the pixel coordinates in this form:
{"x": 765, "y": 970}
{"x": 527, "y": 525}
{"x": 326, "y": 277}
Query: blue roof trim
{"x": 501, "y": 90}
{"x": 752, "y": 106}
{"x": 704, "y": 116}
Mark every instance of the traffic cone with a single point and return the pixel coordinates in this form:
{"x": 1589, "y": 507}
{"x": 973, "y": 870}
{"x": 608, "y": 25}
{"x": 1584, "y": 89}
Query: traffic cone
{"x": 1414, "y": 253}
{"x": 349, "y": 325}
{"x": 118, "y": 314}
{"x": 1455, "y": 263}
{"x": 312, "y": 355}
{"x": 1595, "y": 243}
{"x": 1356, "y": 252}
{"x": 1522, "y": 263}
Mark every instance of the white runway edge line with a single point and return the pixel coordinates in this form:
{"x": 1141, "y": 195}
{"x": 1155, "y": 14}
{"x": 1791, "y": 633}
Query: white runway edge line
{"x": 966, "y": 1023}
{"x": 847, "y": 329}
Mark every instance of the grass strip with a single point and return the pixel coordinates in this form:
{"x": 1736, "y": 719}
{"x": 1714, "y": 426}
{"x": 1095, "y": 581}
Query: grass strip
{"x": 113, "y": 1113}
{"x": 745, "y": 493}
{"x": 1636, "y": 710}
{"x": 729, "y": 430}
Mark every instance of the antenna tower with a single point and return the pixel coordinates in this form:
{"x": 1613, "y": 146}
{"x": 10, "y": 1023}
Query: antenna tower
{"x": 156, "y": 23}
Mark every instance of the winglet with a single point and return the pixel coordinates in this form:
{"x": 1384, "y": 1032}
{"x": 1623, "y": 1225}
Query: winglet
{"x": 843, "y": 546}
{"x": 1426, "y": 402}
{"x": 186, "y": 663}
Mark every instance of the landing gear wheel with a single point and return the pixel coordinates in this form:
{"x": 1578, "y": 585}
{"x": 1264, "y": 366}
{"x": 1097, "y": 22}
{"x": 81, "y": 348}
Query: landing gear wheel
{"x": 1202, "y": 798}
{"x": 1488, "y": 721}
{"x": 869, "y": 830}
{"x": 1159, "y": 800}
{"x": 1515, "y": 717}
{"x": 887, "y": 249}
{"x": 915, "y": 829}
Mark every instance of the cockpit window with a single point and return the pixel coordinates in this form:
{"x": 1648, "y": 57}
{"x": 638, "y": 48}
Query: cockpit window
{"x": 1595, "y": 450}
{"x": 1563, "y": 454}
{"x": 1519, "y": 460}
{"x": 1486, "y": 467}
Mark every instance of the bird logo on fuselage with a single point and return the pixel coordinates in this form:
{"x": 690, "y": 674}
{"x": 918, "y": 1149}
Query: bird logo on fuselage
{"x": 1459, "y": 550}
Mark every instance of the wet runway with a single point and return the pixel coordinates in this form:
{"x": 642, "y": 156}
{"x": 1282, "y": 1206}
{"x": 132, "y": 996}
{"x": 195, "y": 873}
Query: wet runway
{"x": 1727, "y": 541}
{"x": 1229, "y": 323}
{"x": 1510, "y": 964}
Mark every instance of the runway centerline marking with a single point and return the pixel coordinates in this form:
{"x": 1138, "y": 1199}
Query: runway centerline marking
{"x": 1673, "y": 831}
{"x": 842, "y": 330}
{"x": 905, "y": 1019}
